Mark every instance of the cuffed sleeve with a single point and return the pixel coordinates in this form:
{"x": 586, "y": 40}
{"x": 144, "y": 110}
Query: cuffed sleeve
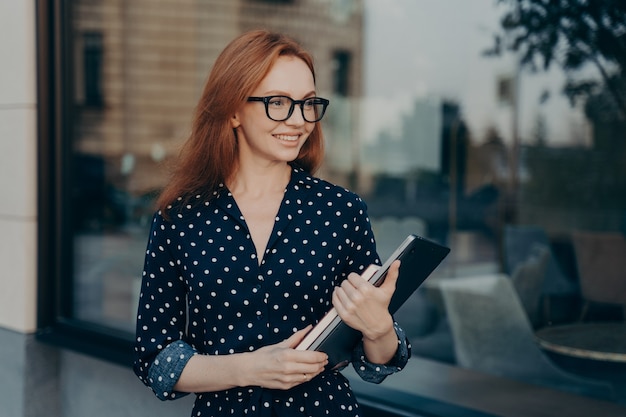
{"x": 167, "y": 368}
{"x": 376, "y": 373}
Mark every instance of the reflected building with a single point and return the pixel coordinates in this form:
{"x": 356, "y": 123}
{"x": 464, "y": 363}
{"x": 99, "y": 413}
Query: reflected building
{"x": 413, "y": 146}
{"x": 128, "y": 55}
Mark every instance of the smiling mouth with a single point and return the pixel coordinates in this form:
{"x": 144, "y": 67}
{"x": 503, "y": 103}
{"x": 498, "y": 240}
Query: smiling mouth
{"x": 288, "y": 138}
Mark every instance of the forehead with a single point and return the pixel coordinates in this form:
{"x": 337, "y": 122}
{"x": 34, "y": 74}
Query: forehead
{"x": 289, "y": 75}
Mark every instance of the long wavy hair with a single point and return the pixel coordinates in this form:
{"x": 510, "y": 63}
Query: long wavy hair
{"x": 209, "y": 156}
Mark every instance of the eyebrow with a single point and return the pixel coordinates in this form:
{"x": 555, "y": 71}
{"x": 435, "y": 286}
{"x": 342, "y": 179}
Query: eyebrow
{"x": 311, "y": 93}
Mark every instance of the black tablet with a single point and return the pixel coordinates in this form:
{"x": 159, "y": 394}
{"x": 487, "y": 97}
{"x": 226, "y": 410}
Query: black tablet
{"x": 418, "y": 256}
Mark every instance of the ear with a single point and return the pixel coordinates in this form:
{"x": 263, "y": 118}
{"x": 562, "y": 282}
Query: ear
{"x": 234, "y": 121}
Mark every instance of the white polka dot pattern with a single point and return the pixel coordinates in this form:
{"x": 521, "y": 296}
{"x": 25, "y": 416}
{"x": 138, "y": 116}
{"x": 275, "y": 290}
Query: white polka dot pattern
{"x": 204, "y": 289}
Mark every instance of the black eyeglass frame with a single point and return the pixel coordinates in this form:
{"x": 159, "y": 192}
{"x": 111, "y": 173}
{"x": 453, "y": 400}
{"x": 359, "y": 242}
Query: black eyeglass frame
{"x": 319, "y": 100}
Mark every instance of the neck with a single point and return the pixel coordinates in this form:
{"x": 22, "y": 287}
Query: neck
{"x": 256, "y": 181}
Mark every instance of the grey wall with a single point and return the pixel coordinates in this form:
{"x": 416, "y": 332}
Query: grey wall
{"x": 90, "y": 387}
{"x": 38, "y": 380}
{"x": 28, "y": 378}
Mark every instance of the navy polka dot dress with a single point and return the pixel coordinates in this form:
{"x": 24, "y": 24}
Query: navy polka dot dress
{"x": 204, "y": 292}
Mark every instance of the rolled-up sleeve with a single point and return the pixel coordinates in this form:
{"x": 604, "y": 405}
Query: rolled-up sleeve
{"x": 167, "y": 368}
{"x": 376, "y": 373}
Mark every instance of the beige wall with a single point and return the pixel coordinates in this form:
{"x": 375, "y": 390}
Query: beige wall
{"x": 18, "y": 167}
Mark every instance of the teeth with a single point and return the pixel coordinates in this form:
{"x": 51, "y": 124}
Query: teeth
{"x": 286, "y": 137}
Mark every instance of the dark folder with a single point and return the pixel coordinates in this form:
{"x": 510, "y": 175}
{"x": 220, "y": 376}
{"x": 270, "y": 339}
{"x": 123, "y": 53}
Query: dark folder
{"x": 419, "y": 257}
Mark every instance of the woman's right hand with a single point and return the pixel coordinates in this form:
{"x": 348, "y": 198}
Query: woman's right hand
{"x": 280, "y": 366}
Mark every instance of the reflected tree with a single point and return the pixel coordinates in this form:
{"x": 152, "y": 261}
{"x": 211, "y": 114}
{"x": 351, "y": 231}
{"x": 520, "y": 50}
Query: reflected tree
{"x": 589, "y": 183}
{"x": 572, "y": 34}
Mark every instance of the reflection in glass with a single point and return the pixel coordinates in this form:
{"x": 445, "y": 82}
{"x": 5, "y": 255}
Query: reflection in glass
{"x": 442, "y": 132}
{"x": 137, "y": 78}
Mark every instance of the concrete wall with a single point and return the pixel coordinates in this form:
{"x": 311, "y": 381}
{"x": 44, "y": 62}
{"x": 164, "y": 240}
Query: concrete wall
{"x": 24, "y": 363}
{"x": 29, "y": 379}
{"x": 90, "y": 387}
{"x": 40, "y": 380}
{"x": 18, "y": 166}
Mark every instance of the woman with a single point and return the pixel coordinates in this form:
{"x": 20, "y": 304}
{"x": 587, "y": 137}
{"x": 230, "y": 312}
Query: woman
{"x": 248, "y": 250}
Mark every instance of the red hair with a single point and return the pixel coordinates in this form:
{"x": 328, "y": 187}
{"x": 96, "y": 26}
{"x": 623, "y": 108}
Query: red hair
{"x": 209, "y": 156}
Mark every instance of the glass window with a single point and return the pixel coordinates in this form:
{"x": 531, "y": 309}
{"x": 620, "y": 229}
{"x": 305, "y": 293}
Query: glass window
{"x": 92, "y": 69}
{"x": 341, "y": 64}
{"x": 443, "y": 117}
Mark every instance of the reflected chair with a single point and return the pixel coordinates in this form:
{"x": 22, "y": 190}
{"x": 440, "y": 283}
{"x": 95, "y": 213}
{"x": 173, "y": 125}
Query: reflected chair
{"x": 601, "y": 262}
{"x": 426, "y": 327}
{"x": 492, "y": 334}
{"x": 528, "y": 279}
{"x": 519, "y": 241}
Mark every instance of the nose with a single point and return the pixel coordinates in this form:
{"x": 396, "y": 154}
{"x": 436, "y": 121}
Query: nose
{"x": 296, "y": 118}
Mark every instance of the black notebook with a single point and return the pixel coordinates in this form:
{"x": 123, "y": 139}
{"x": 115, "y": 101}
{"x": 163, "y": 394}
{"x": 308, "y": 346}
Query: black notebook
{"x": 419, "y": 257}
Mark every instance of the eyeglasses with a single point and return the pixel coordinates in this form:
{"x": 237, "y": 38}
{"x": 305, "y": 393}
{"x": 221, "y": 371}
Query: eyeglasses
{"x": 280, "y": 108}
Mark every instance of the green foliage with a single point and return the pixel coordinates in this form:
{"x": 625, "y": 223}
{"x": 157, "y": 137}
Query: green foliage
{"x": 571, "y": 34}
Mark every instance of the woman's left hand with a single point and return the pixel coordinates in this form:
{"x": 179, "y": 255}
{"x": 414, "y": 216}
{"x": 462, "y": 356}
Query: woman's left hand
{"x": 365, "y": 307}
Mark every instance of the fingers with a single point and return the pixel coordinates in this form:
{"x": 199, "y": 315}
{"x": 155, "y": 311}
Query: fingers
{"x": 389, "y": 284}
{"x": 364, "y": 307}
{"x": 356, "y": 288}
{"x": 296, "y": 338}
{"x": 283, "y": 368}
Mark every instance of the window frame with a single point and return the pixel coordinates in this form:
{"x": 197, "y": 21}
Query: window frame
{"x": 55, "y": 293}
